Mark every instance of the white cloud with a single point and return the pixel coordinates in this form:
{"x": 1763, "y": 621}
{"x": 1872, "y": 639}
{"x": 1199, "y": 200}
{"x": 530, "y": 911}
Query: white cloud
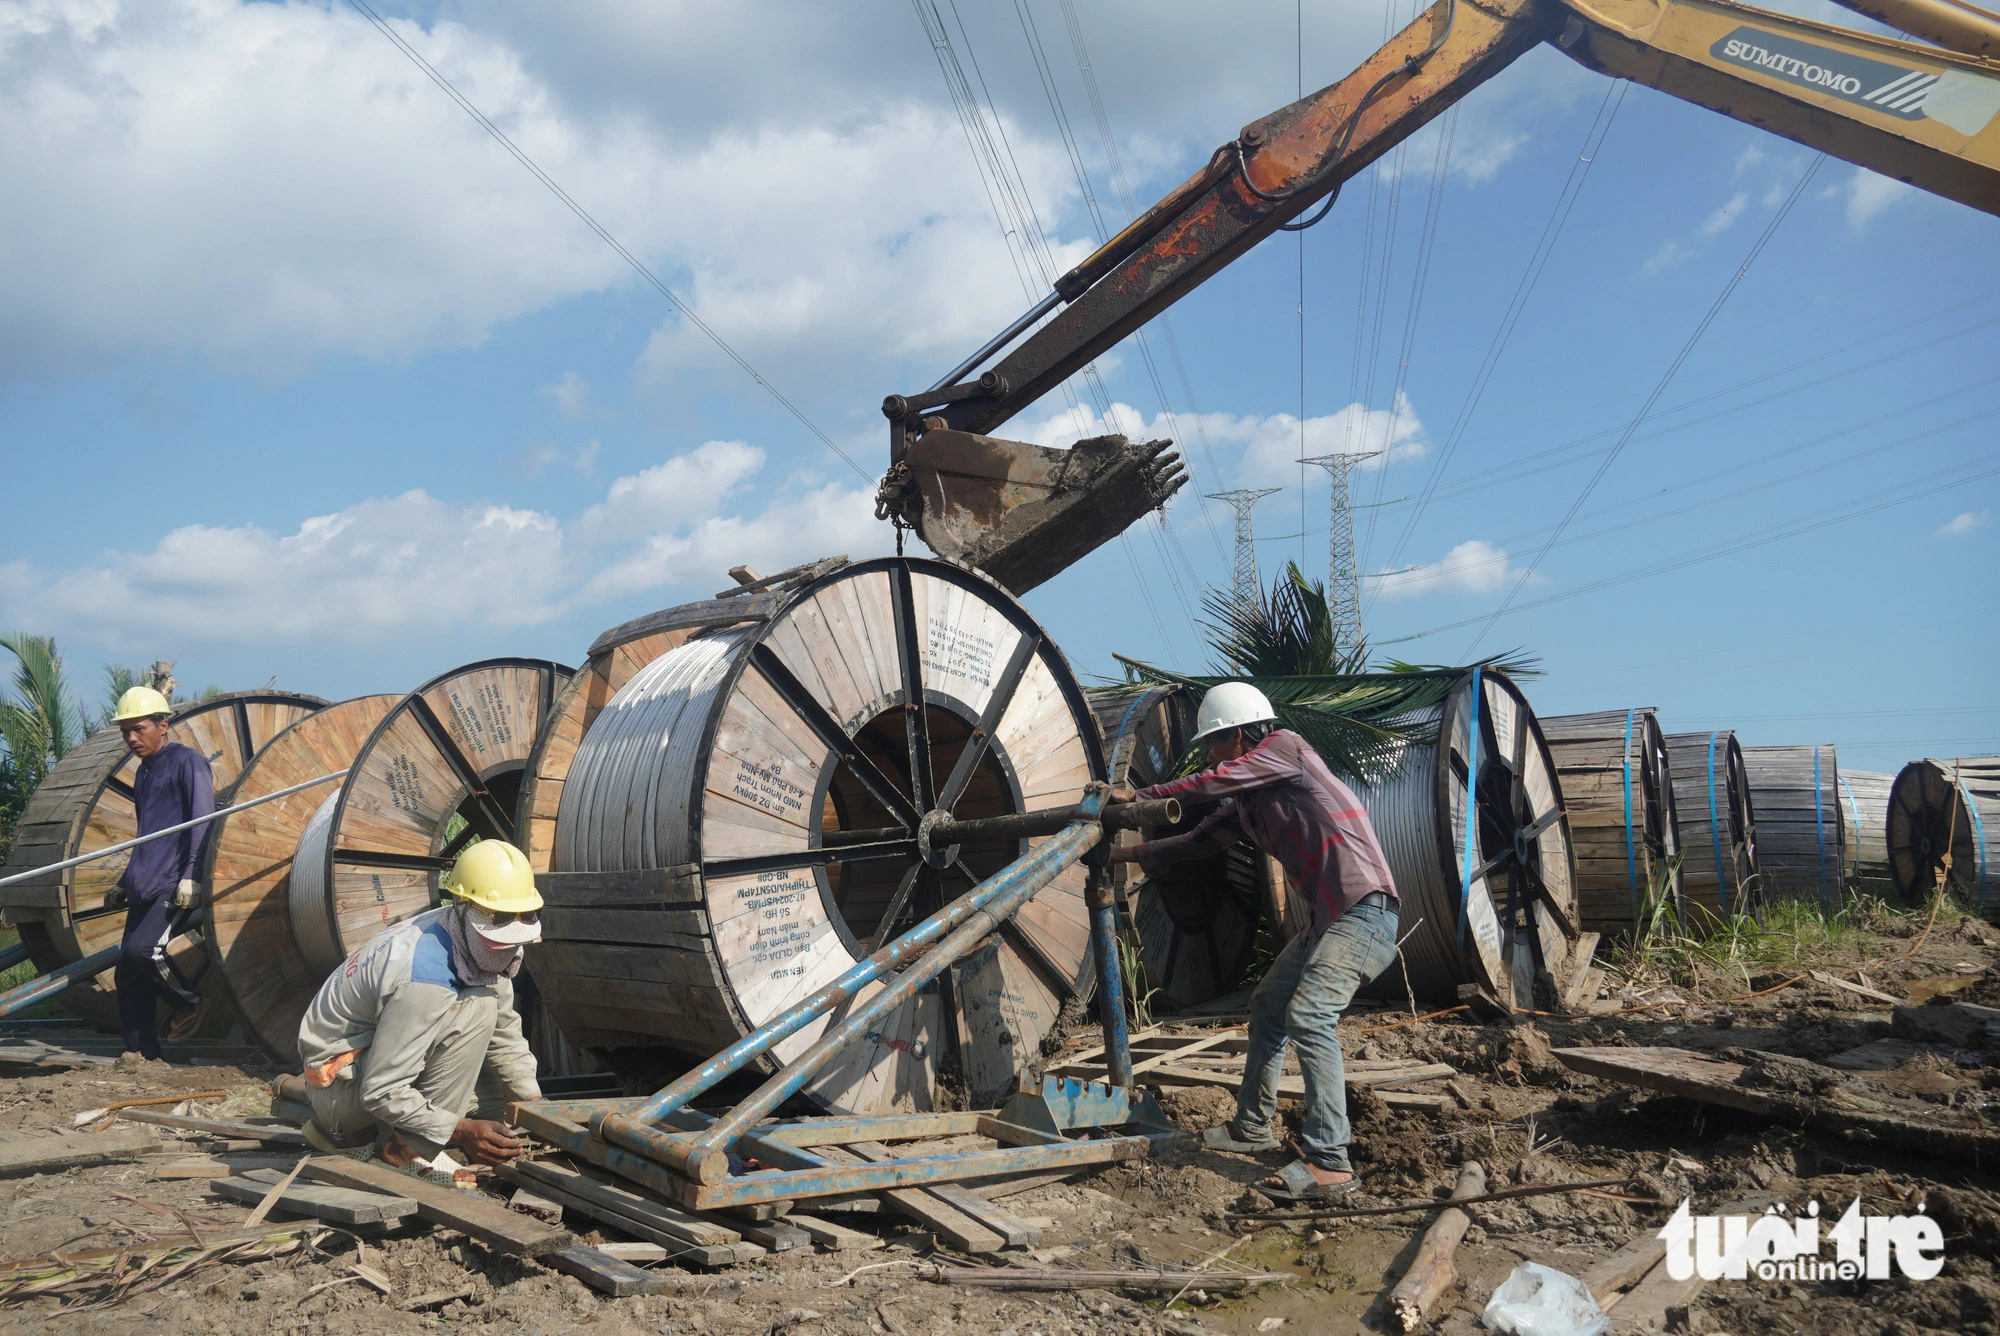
{"x": 1262, "y": 450}
{"x": 1725, "y": 217}
{"x": 537, "y": 457}
{"x": 1869, "y": 194}
{"x": 1668, "y": 255}
{"x": 1960, "y": 525}
{"x": 571, "y": 394}
{"x": 418, "y": 566}
{"x": 267, "y": 184}
{"x": 1473, "y": 567}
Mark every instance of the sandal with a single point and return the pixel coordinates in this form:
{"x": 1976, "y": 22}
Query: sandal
{"x": 1301, "y": 1187}
{"x": 1230, "y": 1138}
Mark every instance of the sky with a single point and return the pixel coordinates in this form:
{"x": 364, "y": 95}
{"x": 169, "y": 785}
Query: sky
{"x": 305, "y": 379}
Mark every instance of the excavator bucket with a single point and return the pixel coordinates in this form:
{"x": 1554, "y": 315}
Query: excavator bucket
{"x": 1022, "y": 513}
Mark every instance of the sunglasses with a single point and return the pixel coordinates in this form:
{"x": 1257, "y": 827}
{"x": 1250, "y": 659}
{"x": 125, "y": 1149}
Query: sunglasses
{"x": 500, "y": 920}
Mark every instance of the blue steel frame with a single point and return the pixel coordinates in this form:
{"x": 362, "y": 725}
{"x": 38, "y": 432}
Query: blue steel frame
{"x": 663, "y": 1144}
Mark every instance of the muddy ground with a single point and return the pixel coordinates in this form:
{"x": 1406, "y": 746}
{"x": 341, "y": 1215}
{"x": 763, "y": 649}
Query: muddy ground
{"x": 1519, "y": 1112}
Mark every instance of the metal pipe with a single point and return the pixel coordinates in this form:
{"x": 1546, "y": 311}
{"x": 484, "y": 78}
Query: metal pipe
{"x": 999, "y": 341}
{"x": 1110, "y": 979}
{"x": 216, "y": 815}
{"x": 945, "y": 830}
{"x": 807, "y": 1010}
{"x": 706, "y": 1160}
{"x": 36, "y": 990}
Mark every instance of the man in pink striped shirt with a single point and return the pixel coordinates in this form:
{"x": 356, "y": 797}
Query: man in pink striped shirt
{"x": 1276, "y": 790}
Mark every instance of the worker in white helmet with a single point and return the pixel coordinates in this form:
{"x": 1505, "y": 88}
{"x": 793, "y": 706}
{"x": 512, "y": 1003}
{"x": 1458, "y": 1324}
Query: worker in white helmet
{"x": 414, "y": 1044}
{"x": 160, "y": 885}
{"x": 1275, "y": 789}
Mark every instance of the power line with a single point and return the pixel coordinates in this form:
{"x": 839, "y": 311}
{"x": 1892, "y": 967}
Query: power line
{"x": 1730, "y": 547}
{"x": 679, "y": 303}
{"x": 1660, "y": 387}
{"x": 1538, "y": 259}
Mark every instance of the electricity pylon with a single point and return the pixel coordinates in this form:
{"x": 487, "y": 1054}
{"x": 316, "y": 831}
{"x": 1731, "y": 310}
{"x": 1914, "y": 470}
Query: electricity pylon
{"x": 1343, "y": 579}
{"x": 1247, "y": 590}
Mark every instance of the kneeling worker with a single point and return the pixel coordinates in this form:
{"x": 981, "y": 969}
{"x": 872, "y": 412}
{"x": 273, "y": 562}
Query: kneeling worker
{"x": 1283, "y": 797}
{"x": 413, "y": 1043}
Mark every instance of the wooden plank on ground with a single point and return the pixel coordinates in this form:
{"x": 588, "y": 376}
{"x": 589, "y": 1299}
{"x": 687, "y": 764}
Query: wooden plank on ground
{"x": 1579, "y": 988}
{"x": 832, "y": 1237}
{"x": 653, "y": 1226}
{"x": 550, "y": 1178}
{"x": 216, "y": 1127}
{"x": 1625, "y": 1267}
{"x": 605, "y": 1273}
{"x": 1644, "y": 1307}
{"x": 341, "y": 1206}
{"x": 468, "y": 1212}
{"x": 216, "y": 1166}
{"x": 21, "y": 1154}
{"x": 949, "y": 1223}
{"x": 777, "y": 1235}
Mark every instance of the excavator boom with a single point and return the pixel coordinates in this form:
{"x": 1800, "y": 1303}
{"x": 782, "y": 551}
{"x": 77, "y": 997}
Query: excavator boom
{"x": 1919, "y": 114}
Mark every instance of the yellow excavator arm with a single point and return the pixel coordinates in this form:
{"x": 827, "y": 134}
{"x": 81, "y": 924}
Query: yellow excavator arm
{"x": 1926, "y": 115}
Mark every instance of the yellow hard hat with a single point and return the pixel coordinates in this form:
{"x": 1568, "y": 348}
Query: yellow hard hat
{"x": 494, "y": 875}
{"x": 140, "y": 703}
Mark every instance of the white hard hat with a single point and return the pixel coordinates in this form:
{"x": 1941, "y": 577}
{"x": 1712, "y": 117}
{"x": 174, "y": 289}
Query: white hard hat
{"x": 1231, "y": 705}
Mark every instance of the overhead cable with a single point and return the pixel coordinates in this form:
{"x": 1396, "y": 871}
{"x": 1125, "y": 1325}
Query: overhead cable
{"x": 679, "y": 303}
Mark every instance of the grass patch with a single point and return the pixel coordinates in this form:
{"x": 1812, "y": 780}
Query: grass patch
{"x": 1778, "y": 935}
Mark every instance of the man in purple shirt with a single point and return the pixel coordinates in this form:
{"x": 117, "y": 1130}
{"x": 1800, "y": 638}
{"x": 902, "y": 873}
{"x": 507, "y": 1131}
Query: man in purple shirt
{"x": 160, "y": 884}
{"x": 1278, "y": 792}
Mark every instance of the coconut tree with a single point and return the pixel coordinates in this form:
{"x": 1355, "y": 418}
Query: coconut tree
{"x": 39, "y": 721}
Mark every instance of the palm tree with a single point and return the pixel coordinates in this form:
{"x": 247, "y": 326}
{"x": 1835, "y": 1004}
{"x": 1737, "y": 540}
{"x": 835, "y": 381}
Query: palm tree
{"x": 43, "y": 720}
{"x": 1359, "y": 721}
{"x": 38, "y": 724}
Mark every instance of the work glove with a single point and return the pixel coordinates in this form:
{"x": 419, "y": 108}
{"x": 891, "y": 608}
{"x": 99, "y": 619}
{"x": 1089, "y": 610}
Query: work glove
{"x": 186, "y": 894}
{"x": 115, "y": 898}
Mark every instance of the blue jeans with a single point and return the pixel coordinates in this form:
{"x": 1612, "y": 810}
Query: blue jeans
{"x": 1300, "y": 1001}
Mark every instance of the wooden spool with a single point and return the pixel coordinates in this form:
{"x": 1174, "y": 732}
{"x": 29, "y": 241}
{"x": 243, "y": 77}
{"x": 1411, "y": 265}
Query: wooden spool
{"x": 1801, "y": 830}
{"x": 250, "y": 944}
{"x": 1500, "y": 936}
{"x": 85, "y": 803}
{"x": 1196, "y": 923}
{"x": 1864, "y": 794}
{"x": 1946, "y": 808}
{"x": 724, "y": 771}
{"x": 372, "y": 852}
{"x": 1617, "y": 786}
{"x": 1718, "y": 834}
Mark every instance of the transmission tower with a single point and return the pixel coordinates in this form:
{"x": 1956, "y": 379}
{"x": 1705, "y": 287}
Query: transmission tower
{"x": 1343, "y": 580}
{"x": 1247, "y": 590}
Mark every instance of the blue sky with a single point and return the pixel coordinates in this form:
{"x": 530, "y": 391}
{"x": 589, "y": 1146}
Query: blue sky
{"x": 306, "y": 379}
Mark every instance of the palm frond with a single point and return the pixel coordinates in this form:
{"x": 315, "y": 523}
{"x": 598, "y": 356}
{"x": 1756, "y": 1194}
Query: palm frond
{"x": 1513, "y": 662}
{"x": 1359, "y": 723}
{"x": 1288, "y": 632}
{"x": 43, "y": 720}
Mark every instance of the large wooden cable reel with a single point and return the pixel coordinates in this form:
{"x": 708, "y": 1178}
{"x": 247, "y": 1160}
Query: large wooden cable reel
{"x": 1718, "y": 829}
{"x": 1505, "y": 921}
{"x": 1943, "y": 810}
{"x": 1865, "y": 796}
{"x": 251, "y": 947}
{"x": 1617, "y": 786}
{"x": 1801, "y": 827}
{"x": 1197, "y": 921}
{"x": 773, "y": 772}
{"x": 85, "y": 803}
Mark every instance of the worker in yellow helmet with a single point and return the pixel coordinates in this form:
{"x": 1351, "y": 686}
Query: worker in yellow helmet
{"x": 413, "y": 1044}
{"x": 160, "y": 885}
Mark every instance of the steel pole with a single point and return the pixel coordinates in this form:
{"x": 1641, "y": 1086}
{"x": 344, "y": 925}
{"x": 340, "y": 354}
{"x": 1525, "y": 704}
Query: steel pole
{"x": 706, "y": 1160}
{"x": 36, "y": 990}
{"x": 1110, "y": 978}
